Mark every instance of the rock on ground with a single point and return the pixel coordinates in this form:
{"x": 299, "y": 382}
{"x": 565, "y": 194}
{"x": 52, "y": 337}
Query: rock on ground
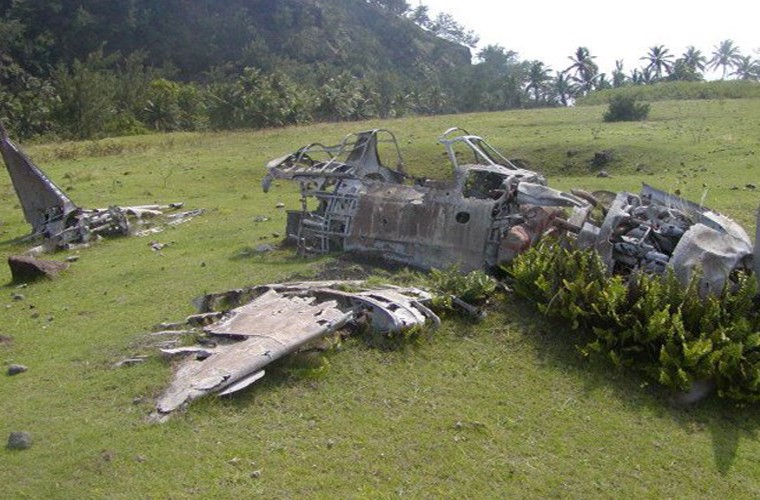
{"x": 19, "y": 441}
{"x": 24, "y": 269}
{"x": 16, "y": 369}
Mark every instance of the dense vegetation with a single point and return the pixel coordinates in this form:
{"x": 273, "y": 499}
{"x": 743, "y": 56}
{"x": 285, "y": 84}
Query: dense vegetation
{"x": 88, "y": 68}
{"x": 652, "y": 324}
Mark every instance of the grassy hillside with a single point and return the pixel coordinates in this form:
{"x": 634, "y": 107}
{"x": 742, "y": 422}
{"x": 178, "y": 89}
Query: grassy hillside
{"x": 502, "y": 407}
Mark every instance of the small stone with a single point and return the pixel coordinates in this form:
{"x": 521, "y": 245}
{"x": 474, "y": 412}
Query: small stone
{"x": 280, "y": 205}
{"x": 72, "y": 258}
{"x": 16, "y": 369}
{"x": 260, "y": 218}
{"x": 256, "y": 474}
{"x": 19, "y": 441}
{"x": 140, "y": 458}
{"x": 18, "y": 296}
{"x": 330, "y": 444}
{"x": 264, "y": 248}
{"x": 603, "y": 173}
{"x": 734, "y": 188}
{"x": 751, "y": 186}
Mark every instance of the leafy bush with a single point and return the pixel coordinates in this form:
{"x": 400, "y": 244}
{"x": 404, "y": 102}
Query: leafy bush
{"x": 650, "y": 323}
{"x": 473, "y": 288}
{"x": 625, "y": 108}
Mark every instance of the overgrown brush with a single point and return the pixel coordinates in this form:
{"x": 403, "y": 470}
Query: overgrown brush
{"x": 650, "y": 323}
{"x": 450, "y": 286}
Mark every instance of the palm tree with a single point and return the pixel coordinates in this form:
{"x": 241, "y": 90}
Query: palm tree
{"x": 694, "y": 58}
{"x": 725, "y": 55}
{"x": 563, "y": 88}
{"x": 602, "y": 83}
{"x": 746, "y": 68}
{"x": 538, "y": 75}
{"x": 585, "y": 69}
{"x": 659, "y": 59}
{"x": 618, "y": 75}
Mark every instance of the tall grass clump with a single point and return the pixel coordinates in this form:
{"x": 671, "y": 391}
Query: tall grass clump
{"x": 648, "y": 323}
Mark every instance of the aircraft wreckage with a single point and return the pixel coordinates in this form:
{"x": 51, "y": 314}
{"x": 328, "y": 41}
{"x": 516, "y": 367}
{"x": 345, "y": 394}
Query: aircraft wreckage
{"x": 56, "y": 219}
{"x": 269, "y": 321}
{"x": 490, "y": 210}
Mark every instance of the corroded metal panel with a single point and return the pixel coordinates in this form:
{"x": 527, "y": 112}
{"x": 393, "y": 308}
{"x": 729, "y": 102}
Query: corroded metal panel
{"x": 422, "y": 228}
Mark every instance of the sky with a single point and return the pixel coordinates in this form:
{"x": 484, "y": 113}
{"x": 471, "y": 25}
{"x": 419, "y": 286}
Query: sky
{"x": 550, "y": 31}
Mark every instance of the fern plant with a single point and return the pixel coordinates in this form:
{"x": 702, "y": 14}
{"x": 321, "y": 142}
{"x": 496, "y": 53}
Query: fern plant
{"x": 653, "y": 324}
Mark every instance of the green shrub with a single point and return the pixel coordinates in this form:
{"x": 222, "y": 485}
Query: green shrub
{"x": 650, "y": 323}
{"x": 449, "y": 284}
{"x": 625, "y": 108}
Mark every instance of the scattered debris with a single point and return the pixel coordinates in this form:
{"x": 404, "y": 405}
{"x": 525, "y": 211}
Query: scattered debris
{"x": 16, "y": 369}
{"x": 56, "y": 219}
{"x": 27, "y": 269}
{"x": 19, "y": 440}
{"x": 136, "y": 360}
{"x": 156, "y": 246}
{"x": 265, "y": 248}
{"x": 270, "y": 321}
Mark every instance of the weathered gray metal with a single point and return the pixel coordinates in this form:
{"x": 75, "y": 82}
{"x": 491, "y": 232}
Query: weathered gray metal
{"x": 366, "y": 207}
{"x": 655, "y": 231}
{"x": 278, "y": 319}
{"x": 42, "y": 201}
{"x": 54, "y": 216}
{"x": 490, "y": 210}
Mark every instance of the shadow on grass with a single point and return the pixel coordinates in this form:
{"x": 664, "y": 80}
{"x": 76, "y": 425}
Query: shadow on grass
{"x": 727, "y": 421}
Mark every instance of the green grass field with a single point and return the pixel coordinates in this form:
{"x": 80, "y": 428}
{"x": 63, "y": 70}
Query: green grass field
{"x": 504, "y": 407}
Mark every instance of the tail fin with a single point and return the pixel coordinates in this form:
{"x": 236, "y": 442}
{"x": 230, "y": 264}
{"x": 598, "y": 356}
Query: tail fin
{"x": 41, "y": 200}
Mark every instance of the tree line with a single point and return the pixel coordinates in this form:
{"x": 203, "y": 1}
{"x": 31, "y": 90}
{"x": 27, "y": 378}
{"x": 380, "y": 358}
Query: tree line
{"x": 294, "y": 65}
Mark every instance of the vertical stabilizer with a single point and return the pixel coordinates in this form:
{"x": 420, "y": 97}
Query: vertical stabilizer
{"x": 41, "y": 200}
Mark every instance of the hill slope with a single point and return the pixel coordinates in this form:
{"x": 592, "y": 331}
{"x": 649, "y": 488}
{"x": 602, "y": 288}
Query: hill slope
{"x": 197, "y": 35}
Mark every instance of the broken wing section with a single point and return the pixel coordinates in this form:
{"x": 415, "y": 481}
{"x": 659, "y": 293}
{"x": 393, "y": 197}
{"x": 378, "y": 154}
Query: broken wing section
{"x": 281, "y": 319}
{"x": 270, "y": 327}
{"x": 41, "y": 200}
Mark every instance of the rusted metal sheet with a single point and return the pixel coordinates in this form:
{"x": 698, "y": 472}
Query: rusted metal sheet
{"x": 275, "y": 320}
{"x": 432, "y": 228}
